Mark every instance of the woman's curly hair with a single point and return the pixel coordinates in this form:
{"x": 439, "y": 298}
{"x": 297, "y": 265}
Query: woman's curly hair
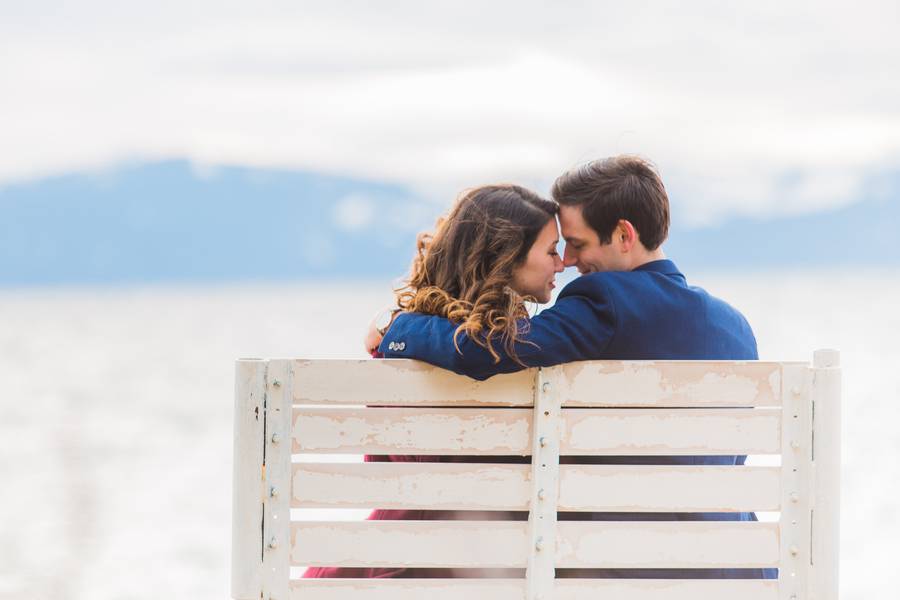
{"x": 463, "y": 270}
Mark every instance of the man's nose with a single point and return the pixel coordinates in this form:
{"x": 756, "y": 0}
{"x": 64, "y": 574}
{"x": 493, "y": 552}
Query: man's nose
{"x": 570, "y": 257}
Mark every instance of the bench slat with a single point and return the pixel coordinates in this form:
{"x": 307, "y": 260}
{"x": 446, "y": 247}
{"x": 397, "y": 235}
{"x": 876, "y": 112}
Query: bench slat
{"x": 514, "y": 589}
{"x": 681, "y": 488}
{"x": 663, "y": 432}
{"x": 591, "y": 383}
{"x": 439, "y": 486}
{"x": 598, "y": 488}
{"x": 408, "y": 589}
{"x": 498, "y": 544}
{"x": 474, "y": 544}
{"x": 449, "y": 431}
{"x": 667, "y": 545}
{"x": 670, "y": 383}
{"x": 666, "y": 589}
{"x": 477, "y": 431}
{"x": 401, "y": 382}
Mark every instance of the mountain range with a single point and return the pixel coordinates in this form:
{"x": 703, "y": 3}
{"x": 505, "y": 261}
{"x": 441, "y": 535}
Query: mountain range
{"x": 171, "y": 221}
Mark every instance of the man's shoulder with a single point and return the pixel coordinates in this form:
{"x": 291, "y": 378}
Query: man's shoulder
{"x": 603, "y": 283}
{"x": 585, "y": 285}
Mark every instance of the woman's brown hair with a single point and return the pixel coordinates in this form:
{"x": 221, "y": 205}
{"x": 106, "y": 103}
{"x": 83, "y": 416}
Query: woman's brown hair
{"x": 463, "y": 269}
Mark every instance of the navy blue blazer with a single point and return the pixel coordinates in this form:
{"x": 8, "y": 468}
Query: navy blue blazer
{"x": 650, "y": 313}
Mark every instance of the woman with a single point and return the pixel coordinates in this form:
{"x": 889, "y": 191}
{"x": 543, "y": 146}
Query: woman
{"x": 494, "y": 251}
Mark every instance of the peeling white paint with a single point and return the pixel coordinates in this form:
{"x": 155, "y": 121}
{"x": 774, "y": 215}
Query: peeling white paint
{"x": 676, "y": 545}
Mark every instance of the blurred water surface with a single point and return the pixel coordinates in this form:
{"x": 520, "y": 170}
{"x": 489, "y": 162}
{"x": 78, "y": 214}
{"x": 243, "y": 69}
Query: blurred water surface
{"x": 116, "y": 426}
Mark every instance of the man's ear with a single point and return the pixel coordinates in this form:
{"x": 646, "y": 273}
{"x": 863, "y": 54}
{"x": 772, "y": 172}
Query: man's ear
{"x": 627, "y": 235}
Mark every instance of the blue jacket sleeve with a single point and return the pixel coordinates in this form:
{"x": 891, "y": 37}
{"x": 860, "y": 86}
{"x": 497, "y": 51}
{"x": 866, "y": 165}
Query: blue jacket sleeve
{"x": 578, "y": 327}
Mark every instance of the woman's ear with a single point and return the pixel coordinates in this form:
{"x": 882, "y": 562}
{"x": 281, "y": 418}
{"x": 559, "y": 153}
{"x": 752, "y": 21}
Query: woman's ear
{"x": 627, "y": 235}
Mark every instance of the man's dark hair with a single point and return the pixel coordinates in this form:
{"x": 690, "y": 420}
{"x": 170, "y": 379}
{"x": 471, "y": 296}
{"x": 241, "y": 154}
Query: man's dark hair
{"x": 619, "y": 187}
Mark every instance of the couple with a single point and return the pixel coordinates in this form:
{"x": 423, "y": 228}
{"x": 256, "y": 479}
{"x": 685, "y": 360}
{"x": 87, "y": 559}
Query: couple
{"x": 463, "y": 307}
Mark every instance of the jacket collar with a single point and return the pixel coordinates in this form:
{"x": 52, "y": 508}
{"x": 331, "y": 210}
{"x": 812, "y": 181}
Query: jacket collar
{"x": 664, "y": 267}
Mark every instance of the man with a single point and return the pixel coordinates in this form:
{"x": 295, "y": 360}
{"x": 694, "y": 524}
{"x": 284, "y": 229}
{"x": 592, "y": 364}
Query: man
{"x": 630, "y": 303}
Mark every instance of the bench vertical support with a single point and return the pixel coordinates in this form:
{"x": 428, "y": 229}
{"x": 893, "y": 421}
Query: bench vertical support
{"x": 247, "y": 498}
{"x": 544, "y": 484}
{"x": 827, "y": 463}
{"x": 277, "y": 486}
{"x": 797, "y": 473}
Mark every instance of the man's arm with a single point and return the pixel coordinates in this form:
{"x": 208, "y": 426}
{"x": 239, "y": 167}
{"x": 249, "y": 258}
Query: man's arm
{"x": 578, "y": 327}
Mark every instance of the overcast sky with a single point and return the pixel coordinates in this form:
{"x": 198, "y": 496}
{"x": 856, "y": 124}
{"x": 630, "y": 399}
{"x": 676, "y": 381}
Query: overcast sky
{"x": 774, "y": 107}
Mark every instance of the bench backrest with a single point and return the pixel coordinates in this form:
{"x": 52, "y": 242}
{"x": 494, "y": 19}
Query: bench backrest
{"x": 286, "y": 408}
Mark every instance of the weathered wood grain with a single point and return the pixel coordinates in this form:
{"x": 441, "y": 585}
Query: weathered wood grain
{"x": 797, "y": 476}
{"x": 669, "y": 545}
{"x": 670, "y": 383}
{"x": 247, "y": 501}
{"x": 665, "y": 589}
{"x": 826, "y": 532}
{"x": 437, "y": 486}
{"x": 662, "y": 431}
{"x": 598, "y": 488}
{"x": 277, "y": 481}
{"x": 408, "y": 589}
{"x": 463, "y": 544}
{"x": 680, "y": 488}
{"x": 401, "y": 382}
{"x": 412, "y": 431}
{"x": 514, "y": 589}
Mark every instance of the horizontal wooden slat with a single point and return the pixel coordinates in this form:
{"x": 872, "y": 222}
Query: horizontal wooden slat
{"x": 613, "y": 432}
{"x": 610, "y": 432}
{"x": 670, "y": 383}
{"x": 644, "y": 488}
{"x": 401, "y": 382}
{"x": 665, "y": 589}
{"x": 498, "y": 544}
{"x": 440, "y": 486}
{"x": 598, "y": 488}
{"x": 514, "y": 589}
{"x": 484, "y": 544}
{"x": 666, "y": 544}
{"x": 408, "y": 589}
{"x": 493, "y": 431}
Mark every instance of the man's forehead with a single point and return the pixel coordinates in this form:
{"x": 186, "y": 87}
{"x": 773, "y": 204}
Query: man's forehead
{"x": 575, "y": 230}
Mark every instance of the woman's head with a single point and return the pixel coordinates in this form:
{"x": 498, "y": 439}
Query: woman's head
{"x": 496, "y": 248}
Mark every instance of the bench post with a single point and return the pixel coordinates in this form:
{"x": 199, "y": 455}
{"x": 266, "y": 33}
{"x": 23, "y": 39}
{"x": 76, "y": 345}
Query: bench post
{"x": 247, "y": 498}
{"x": 797, "y": 473}
{"x": 277, "y": 482}
{"x": 825, "y": 563}
{"x": 544, "y": 484}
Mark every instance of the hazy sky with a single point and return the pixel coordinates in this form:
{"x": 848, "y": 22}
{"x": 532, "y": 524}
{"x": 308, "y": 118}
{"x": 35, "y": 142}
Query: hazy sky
{"x": 773, "y": 106}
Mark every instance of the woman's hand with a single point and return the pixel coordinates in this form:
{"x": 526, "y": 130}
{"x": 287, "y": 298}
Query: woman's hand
{"x": 377, "y": 326}
{"x": 373, "y": 337}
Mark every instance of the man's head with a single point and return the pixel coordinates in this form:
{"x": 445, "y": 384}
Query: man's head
{"x": 614, "y": 214}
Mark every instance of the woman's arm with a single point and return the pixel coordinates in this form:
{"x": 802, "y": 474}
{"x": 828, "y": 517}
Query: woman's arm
{"x": 377, "y": 327}
{"x": 578, "y": 327}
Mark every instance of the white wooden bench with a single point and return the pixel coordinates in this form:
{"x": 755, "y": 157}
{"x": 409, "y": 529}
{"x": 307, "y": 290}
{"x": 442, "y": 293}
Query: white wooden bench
{"x": 789, "y": 410}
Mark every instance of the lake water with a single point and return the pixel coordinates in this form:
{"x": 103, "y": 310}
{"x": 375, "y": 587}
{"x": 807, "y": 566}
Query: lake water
{"x": 116, "y": 430}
